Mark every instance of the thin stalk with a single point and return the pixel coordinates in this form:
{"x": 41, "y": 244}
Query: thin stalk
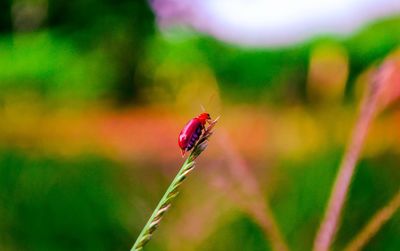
{"x": 373, "y": 226}
{"x": 172, "y": 190}
{"x": 248, "y": 194}
{"x": 328, "y": 228}
{"x": 383, "y": 91}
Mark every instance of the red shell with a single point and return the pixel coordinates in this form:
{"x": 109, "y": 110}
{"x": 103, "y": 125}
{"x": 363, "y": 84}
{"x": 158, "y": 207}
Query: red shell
{"x": 190, "y": 130}
{"x": 187, "y": 132}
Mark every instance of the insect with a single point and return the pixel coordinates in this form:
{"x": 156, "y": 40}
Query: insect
{"x": 192, "y": 131}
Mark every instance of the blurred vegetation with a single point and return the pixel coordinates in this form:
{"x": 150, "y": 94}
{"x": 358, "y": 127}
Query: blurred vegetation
{"x": 51, "y": 204}
{"x": 95, "y": 54}
{"x": 110, "y": 50}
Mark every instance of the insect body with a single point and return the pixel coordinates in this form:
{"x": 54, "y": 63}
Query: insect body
{"x": 192, "y": 131}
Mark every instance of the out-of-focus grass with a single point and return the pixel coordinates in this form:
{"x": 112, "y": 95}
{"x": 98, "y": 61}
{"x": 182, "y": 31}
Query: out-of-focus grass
{"x": 247, "y": 236}
{"x": 300, "y": 190}
{"x": 375, "y": 183}
{"x": 48, "y": 203}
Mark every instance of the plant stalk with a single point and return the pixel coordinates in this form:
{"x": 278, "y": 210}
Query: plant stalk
{"x": 328, "y": 228}
{"x": 172, "y": 190}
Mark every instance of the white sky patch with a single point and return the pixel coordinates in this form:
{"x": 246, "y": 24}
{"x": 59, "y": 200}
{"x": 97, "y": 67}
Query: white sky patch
{"x": 279, "y": 22}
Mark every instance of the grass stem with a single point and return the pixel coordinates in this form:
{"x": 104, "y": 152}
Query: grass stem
{"x": 172, "y": 190}
{"x": 330, "y": 222}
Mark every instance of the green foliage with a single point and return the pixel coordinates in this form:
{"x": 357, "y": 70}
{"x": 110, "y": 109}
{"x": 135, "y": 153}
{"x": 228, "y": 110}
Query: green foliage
{"x": 375, "y": 183}
{"x": 54, "y": 68}
{"x": 247, "y": 236}
{"x": 303, "y": 190}
{"x": 53, "y": 204}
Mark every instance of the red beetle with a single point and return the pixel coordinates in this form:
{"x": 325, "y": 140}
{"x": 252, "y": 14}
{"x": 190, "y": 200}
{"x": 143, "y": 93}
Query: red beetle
{"x": 192, "y": 131}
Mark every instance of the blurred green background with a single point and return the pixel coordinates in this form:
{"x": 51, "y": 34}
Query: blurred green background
{"x": 93, "y": 96}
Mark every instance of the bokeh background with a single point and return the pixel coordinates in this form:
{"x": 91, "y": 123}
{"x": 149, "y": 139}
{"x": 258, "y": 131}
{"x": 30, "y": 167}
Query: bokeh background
{"x": 93, "y": 95}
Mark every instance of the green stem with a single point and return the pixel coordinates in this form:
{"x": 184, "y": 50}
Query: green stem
{"x": 172, "y": 190}
{"x": 144, "y": 236}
